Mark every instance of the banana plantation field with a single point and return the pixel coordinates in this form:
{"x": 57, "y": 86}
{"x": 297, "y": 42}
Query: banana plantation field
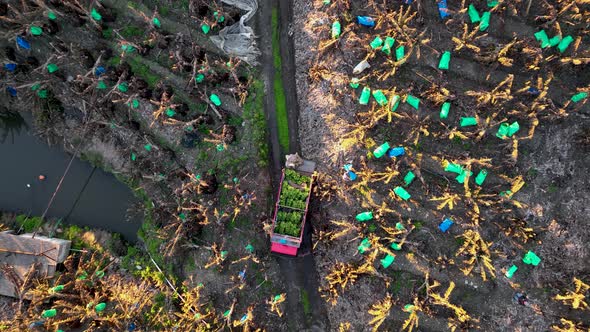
{"x": 452, "y": 140}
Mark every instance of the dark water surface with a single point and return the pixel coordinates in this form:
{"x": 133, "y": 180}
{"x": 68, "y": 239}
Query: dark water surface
{"x": 88, "y": 196}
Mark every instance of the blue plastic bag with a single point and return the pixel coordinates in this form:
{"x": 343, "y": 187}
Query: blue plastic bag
{"x": 442, "y": 8}
{"x": 365, "y": 21}
{"x": 408, "y": 2}
{"x": 351, "y": 175}
{"x": 533, "y": 91}
{"x": 99, "y": 71}
{"x": 445, "y": 225}
{"x": 396, "y": 152}
{"x": 10, "y": 66}
{"x": 11, "y": 91}
{"x": 23, "y": 43}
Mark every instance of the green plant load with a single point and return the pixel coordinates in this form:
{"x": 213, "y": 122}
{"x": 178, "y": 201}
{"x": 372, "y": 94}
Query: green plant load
{"x": 293, "y": 176}
{"x": 293, "y": 197}
{"x": 294, "y": 192}
{"x": 289, "y": 222}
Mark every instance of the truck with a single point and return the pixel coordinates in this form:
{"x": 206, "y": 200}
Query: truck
{"x": 291, "y": 207}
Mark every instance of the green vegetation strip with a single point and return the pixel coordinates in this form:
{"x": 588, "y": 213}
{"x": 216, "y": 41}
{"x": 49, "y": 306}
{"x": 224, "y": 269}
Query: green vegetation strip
{"x": 279, "y": 90}
{"x": 253, "y": 112}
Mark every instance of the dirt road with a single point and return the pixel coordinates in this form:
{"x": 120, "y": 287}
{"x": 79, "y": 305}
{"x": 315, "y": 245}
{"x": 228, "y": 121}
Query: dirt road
{"x": 306, "y": 309}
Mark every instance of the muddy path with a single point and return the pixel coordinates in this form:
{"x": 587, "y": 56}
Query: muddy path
{"x": 305, "y": 306}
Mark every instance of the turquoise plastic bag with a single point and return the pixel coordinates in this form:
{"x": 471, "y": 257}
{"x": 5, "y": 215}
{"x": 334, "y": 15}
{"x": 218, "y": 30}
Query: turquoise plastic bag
{"x": 380, "y": 97}
{"x": 364, "y": 216}
{"x": 413, "y": 101}
{"x": 402, "y": 193}
{"x": 444, "y": 110}
{"x": 470, "y": 121}
{"x": 387, "y": 260}
{"x": 365, "y": 95}
{"x": 444, "y": 61}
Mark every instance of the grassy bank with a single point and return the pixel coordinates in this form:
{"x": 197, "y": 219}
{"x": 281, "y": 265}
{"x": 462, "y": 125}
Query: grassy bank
{"x": 279, "y": 90}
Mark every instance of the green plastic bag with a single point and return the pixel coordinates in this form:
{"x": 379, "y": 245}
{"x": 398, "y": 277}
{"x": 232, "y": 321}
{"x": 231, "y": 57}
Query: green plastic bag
{"x": 402, "y": 193}
{"x": 542, "y": 37}
{"x": 135, "y": 103}
{"x": 513, "y": 128}
{"x": 148, "y": 147}
{"x": 455, "y": 168}
{"x": 249, "y": 248}
{"x": 133, "y": 156}
{"x": 511, "y": 271}
{"x": 365, "y": 245}
{"x": 95, "y": 15}
{"x": 503, "y": 130}
{"x": 365, "y": 95}
{"x": 473, "y": 14}
{"x": 354, "y": 83}
{"x": 36, "y": 31}
{"x": 444, "y": 110}
{"x": 127, "y": 48}
{"x": 444, "y": 61}
{"x": 396, "y": 246}
{"x": 413, "y": 101}
{"x": 385, "y": 262}
{"x": 564, "y": 43}
{"x": 555, "y": 40}
{"x": 199, "y": 78}
{"x": 531, "y": 258}
{"x": 100, "y": 307}
{"x": 56, "y": 289}
{"x": 387, "y": 45}
{"x": 156, "y": 22}
{"x": 123, "y": 87}
{"x": 49, "y": 313}
{"x": 364, "y": 216}
{"x": 51, "y": 15}
{"x": 336, "y": 29}
{"x": 52, "y": 68}
{"x": 400, "y": 52}
{"x": 215, "y": 99}
{"x": 376, "y": 43}
{"x": 485, "y": 21}
{"x": 381, "y": 150}
{"x": 170, "y": 112}
{"x": 399, "y": 226}
{"x": 579, "y": 96}
{"x": 463, "y": 176}
{"x": 205, "y": 28}
{"x": 481, "y": 176}
{"x": 409, "y": 178}
{"x": 395, "y": 102}
{"x": 380, "y": 97}
{"x": 42, "y": 94}
{"x": 469, "y": 121}
{"x": 492, "y": 3}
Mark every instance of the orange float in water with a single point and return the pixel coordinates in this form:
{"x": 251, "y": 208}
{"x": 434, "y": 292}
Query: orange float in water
{"x": 41, "y": 177}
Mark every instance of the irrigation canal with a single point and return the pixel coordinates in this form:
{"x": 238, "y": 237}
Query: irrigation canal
{"x": 88, "y": 196}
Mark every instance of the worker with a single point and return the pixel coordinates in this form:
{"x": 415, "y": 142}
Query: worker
{"x": 521, "y": 299}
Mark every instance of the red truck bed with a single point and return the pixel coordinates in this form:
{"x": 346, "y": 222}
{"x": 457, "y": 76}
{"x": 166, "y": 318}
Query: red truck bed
{"x": 286, "y": 244}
